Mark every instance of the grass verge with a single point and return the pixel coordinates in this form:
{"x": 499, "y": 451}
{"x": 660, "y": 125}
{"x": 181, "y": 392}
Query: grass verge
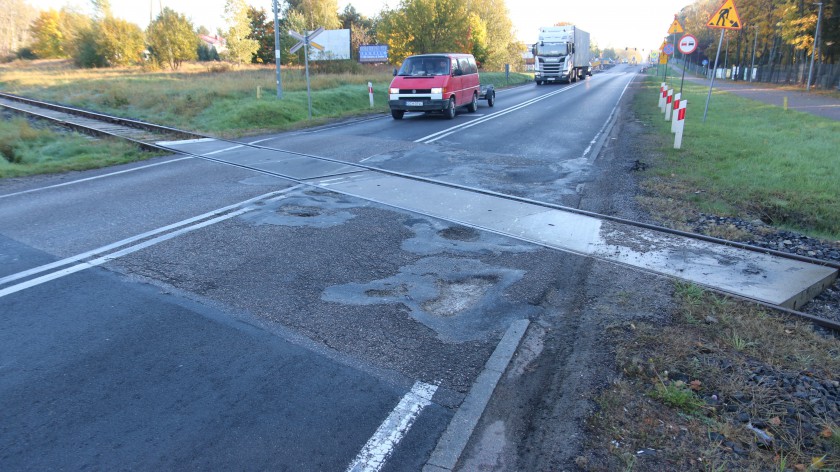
{"x": 748, "y": 158}
{"x": 28, "y": 150}
{"x": 210, "y": 98}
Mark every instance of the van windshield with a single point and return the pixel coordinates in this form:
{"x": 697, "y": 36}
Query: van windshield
{"x": 424, "y": 66}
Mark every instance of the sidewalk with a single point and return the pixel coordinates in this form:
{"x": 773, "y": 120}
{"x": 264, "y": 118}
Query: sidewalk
{"x": 813, "y": 103}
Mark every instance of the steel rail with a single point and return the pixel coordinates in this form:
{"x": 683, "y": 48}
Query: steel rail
{"x": 824, "y": 322}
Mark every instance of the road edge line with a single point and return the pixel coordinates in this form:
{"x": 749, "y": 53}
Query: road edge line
{"x": 454, "y": 440}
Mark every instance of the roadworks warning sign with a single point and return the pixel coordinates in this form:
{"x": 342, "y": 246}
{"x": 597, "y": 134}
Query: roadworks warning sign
{"x": 726, "y": 17}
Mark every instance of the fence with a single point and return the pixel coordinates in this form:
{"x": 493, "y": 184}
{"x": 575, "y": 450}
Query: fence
{"x": 825, "y": 76}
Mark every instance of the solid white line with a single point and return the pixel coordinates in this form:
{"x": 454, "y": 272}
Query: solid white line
{"x": 131, "y": 249}
{"x": 95, "y": 177}
{"x": 609, "y": 118}
{"x": 100, "y": 250}
{"x": 380, "y": 446}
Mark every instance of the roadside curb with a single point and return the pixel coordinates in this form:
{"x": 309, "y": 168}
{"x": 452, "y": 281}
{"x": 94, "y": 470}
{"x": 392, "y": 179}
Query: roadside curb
{"x": 454, "y": 440}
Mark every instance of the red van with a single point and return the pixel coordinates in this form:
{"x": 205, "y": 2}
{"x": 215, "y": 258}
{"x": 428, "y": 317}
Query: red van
{"x": 437, "y": 83}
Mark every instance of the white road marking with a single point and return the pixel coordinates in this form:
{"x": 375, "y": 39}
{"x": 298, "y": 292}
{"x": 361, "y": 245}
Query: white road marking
{"x": 609, "y": 117}
{"x": 94, "y": 178}
{"x": 444, "y": 133}
{"x": 380, "y": 446}
{"x": 185, "y": 141}
{"x": 269, "y": 197}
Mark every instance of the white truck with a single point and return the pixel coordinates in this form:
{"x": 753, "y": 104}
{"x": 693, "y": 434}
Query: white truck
{"x": 561, "y": 54}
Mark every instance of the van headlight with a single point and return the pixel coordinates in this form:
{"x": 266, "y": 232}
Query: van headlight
{"x": 394, "y": 90}
{"x": 437, "y": 90}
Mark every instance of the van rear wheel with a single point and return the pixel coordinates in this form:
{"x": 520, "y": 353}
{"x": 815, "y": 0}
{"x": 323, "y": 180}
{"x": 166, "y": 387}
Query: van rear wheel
{"x": 449, "y": 113}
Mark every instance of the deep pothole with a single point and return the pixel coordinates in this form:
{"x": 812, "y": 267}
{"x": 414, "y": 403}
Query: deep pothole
{"x": 299, "y": 211}
{"x": 455, "y": 297}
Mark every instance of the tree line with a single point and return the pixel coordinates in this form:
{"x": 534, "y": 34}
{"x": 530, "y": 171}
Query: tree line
{"x": 481, "y": 27}
{"x": 780, "y": 32}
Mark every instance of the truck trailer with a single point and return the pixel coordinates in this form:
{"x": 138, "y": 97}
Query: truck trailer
{"x": 561, "y": 54}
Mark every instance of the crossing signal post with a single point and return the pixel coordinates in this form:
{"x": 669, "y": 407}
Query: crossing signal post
{"x": 304, "y": 41}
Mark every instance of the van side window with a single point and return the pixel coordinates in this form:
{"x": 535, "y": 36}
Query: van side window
{"x": 456, "y": 69}
{"x": 465, "y": 65}
{"x": 473, "y": 67}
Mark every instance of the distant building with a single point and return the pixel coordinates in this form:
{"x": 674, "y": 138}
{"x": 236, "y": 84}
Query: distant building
{"x": 214, "y": 41}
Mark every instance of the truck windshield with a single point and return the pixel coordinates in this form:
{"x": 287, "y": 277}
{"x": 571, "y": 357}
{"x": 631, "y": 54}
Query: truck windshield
{"x": 552, "y": 49}
{"x": 425, "y": 66}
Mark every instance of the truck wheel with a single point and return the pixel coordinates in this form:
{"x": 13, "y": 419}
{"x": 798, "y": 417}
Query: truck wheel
{"x": 473, "y": 106}
{"x": 449, "y": 113}
{"x": 491, "y": 100}
{"x": 397, "y": 114}
{"x": 539, "y": 82}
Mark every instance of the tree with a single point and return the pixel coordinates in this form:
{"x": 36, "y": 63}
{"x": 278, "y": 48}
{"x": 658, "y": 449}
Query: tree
{"x": 262, "y": 31}
{"x": 361, "y": 28}
{"x": 424, "y": 26}
{"x": 15, "y": 18}
{"x": 316, "y": 13}
{"x": 239, "y": 47}
{"x": 171, "y": 39}
{"x": 502, "y": 46}
{"x": 120, "y": 43}
{"x": 47, "y": 35}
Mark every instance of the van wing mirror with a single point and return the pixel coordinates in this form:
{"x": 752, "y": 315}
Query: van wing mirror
{"x": 395, "y": 71}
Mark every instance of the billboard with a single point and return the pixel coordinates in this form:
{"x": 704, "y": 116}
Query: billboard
{"x": 373, "y": 53}
{"x": 336, "y": 45}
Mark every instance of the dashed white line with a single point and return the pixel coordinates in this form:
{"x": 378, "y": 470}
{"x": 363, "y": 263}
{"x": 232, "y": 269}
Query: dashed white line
{"x": 380, "y": 446}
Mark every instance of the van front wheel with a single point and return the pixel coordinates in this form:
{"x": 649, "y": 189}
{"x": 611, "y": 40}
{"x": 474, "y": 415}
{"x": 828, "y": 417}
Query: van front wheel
{"x": 449, "y": 113}
{"x": 473, "y": 106}
{"x": 397, "y": 114}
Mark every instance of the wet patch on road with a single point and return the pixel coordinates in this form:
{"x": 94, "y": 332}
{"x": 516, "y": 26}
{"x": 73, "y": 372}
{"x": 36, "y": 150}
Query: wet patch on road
{"x": 436, "y": 237}
{"x": 460, "y": 299}
{"x": 310, "y": 209}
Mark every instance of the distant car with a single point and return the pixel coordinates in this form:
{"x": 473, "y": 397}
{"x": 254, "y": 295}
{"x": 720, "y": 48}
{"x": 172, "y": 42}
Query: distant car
{"x": 437, "y": 83}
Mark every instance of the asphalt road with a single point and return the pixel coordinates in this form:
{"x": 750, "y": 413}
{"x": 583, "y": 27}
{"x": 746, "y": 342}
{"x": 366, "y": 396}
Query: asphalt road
{"x": 208, "y": 316}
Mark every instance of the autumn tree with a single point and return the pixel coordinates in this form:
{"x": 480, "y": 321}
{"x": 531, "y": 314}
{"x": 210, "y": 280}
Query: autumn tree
{"x": 262, "y": 31}
{"x": 48, "y": 38}
{"x": 119, "y": 42}
{"x": 312, "y": 14}
{"x": 240, "y": 48}
{"x": 15, "y": 19}
{"x": 361, "y": 28}
{"x": 171, "y": 39}
{"x": 424, "y": 26}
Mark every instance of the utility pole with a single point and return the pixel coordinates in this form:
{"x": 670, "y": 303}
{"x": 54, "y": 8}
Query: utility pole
{"x": 814, "y": 48}
{"x": 277, "y": 50}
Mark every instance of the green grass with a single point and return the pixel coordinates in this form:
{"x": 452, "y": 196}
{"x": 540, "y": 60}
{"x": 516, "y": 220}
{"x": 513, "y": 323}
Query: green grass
{"x": 750, "y": 157}
{"x": 27, "y": 150}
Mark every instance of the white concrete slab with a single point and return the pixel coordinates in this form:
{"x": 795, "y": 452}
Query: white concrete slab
{"x": 762, "y": 277}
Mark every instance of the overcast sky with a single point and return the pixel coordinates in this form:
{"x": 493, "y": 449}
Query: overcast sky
{"x": 612, "y": 23}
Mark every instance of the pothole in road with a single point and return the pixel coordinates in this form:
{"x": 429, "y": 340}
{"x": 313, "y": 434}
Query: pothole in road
{"x": 459, "y": 233}
{"x": 458, "y": 296}
{"x": 299, "y": 211}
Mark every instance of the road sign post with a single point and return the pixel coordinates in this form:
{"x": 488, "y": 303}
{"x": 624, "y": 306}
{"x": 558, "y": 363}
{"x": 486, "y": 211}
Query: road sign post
{"x": 687, "y": 45}
{"x": 726, "y": 17}
{"x": 277, "y": 49}
{"x": 305, "y": 41}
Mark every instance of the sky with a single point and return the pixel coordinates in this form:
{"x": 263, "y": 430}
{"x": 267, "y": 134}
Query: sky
{"x": 641, "y": 24}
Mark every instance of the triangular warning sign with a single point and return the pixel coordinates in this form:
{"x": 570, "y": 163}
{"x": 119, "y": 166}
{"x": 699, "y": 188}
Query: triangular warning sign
{"x": 676, "y": 27}
{"x": 726, "y": 17}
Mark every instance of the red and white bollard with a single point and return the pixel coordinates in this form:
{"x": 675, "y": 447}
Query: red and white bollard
{"x": 680, "y": 124}
{"x": 370, "y": 92}
{"x": 669, "y": 100}
{"x": 662, "y": 90}
{"x": 674, "y": 115}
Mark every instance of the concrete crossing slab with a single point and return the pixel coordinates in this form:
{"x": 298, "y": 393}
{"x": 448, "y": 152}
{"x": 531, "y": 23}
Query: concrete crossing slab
{"x": 766, "y": 278}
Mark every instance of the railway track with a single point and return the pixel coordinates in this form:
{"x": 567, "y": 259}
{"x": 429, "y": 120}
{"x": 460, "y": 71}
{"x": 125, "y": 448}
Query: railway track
{"x": 153, "y": 137}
